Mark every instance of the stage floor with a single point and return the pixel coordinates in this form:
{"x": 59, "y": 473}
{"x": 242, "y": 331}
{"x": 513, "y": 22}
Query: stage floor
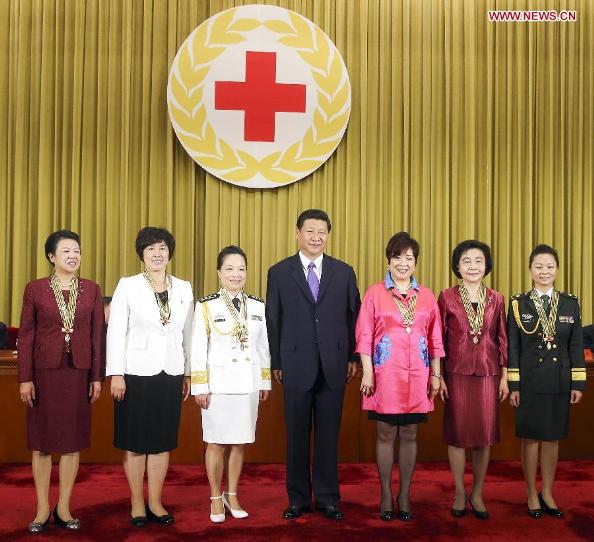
{"x": 101, "y": 502}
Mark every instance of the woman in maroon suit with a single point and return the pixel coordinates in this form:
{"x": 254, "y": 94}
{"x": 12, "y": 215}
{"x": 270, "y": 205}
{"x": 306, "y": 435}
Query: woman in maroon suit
{"x": 60, "y": 369}
{"x": 474, "y": 370}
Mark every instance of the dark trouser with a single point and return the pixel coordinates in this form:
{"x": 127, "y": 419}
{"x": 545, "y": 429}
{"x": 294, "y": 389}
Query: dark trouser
{"x": 326, "y": 404}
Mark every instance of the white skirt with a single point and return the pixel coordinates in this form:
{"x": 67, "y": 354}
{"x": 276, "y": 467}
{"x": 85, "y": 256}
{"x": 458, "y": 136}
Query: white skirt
{"x": 231, "y": 418}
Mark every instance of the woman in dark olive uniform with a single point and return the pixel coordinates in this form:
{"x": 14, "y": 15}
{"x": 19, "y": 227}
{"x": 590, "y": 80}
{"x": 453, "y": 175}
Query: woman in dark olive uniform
{"x": 546, "y": 373}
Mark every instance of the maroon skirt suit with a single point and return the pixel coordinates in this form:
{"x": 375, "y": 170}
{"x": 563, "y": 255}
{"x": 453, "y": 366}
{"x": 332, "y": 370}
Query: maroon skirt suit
{"x": 472, "y": 371}
{"x": 60, "y": 419}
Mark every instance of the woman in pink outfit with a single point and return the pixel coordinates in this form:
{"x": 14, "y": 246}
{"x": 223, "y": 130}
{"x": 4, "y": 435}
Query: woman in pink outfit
{"x": 475, "y": 370}
{"x": 399, "y": 340}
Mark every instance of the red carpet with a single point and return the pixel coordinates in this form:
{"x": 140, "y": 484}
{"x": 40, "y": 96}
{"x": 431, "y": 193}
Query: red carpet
{"x": 101, "y": 502}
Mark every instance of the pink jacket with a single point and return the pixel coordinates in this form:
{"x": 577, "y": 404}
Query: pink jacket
{"x": 401, "y": 362}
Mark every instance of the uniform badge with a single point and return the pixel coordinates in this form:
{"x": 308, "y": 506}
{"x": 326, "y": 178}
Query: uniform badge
{"x": 566, "y": 319}
{"x": 219, "y": 318}
{"x": 256, "y": 317}
{"x": 527, "y": 318}
{"x": 259, "y": 96}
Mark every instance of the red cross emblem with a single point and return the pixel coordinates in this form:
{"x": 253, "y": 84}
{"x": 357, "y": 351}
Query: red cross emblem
{"x": 260, "y": 96}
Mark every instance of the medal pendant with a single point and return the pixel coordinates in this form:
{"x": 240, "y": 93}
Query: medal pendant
{"x": 548, "y": 346}
{"x": 408, "y": 329}
{"x": 475, "y": 339}
{"x": 67, "y": 337}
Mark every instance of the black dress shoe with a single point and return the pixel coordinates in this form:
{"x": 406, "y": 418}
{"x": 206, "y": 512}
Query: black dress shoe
{"x": 36, "y": 527}
{"x": 293, "y": 512}
{"x": 458, "y": 513}
{"x": 535, "y": 513}
{"x": 331, "y": 511}
{"x": 69, "y": 525}
{"x": 138, "y": 521}
{"x": 555, "y": 512}
{"x": 387, "y": 515}
{"x": 165, "y": 519}
{"x": 480, "y": 514}
{"x": 403, "y": 515}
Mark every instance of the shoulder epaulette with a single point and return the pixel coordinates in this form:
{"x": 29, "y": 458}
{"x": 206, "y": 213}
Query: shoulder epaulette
{"x": 518, "y": 296}
{"x": 566, "y": 294}
{"x": 255, "y": 298}
{"x": 208, "y": 297}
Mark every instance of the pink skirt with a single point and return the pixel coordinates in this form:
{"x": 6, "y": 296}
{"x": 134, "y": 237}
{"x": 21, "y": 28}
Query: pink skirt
{"x": 471, "y": 418}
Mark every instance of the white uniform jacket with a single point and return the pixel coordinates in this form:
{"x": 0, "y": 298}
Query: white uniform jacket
{"x": 219, "y": 365}
{"x": 137, "y": 342}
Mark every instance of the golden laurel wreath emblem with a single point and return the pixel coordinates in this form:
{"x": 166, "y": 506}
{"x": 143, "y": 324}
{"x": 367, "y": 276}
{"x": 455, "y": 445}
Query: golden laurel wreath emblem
{"x": 197, "y": 134}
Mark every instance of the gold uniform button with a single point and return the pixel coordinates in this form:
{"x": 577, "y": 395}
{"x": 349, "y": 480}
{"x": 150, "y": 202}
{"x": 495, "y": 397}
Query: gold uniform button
{"x": 554, "y": 359}
{"x": 540, "y": 360}
{"x": 554, "y": 346}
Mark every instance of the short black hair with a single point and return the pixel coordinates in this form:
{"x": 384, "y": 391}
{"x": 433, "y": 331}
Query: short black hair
{"x": 106, "y": 299}
{"x": 467, "y": 245}
{"x": 149, "y": 236}
{"x": 543, "y": 249}
{"x": 313, "y": 214}
{"x": 51, "y": 243}
{"x": 227, "y": 251}
{"x": 400, "y": 242}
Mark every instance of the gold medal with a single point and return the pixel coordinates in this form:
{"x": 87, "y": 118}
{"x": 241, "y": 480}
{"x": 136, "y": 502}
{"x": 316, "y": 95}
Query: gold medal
{"x": 240, "y": 329}
{"x": 475, "y": 318}
{"x": 548, "y": 322}
{"x": 67, "y": 312}
{"x": 164, "y": 307}
{"x": 407, "y": 312}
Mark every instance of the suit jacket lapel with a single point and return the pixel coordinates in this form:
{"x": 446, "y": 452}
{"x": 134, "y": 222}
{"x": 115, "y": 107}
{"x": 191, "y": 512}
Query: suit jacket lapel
{"x": 328, "y": 270}
{"x": 298, "y": 276}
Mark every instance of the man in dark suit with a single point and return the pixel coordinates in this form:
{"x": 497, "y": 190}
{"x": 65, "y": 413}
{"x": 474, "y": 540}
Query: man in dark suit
{"x": 312, "y": 304}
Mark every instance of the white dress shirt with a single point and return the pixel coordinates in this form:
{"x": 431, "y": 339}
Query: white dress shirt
{"x": 317, "y": 262}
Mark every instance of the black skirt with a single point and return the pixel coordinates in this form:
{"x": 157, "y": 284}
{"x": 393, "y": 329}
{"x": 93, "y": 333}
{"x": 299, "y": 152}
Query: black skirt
{"x": 398, "y": 419}
{"x": 543, "y": 416}
{"x": 146, "y": 421}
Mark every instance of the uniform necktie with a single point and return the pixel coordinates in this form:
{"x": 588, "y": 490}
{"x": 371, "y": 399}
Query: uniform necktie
{"x": 236, "y": 303}
{"x": 312, "y": 280}
{"x": 546, "y": 303}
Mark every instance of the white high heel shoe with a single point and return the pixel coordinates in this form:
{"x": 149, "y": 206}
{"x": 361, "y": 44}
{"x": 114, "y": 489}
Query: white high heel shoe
{"x": 237, "y": 514}
{"x": 217, "y": 518}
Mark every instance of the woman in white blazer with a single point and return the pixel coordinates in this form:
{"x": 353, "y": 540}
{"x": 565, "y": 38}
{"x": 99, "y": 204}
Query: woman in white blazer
{"x": 230, "y": 376}
{"x": 148, "y": 339}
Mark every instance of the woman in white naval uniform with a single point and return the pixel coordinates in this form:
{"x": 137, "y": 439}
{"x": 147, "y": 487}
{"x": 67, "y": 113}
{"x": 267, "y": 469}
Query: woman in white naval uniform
{"x": 148, "y": 335}
{"x": 230, "y": 376}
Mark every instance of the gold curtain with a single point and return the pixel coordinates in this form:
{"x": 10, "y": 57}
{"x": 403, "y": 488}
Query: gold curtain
{"x": 460, "y": 128}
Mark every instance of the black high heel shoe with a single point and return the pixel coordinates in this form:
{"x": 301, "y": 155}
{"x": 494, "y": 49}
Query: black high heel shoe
{"x": 138, "y": 521}
{"x": 165, "y": 519}
{"x": 480, "y": 514}
{"x": 387, "y": 515}
{"x": 69, "y": 525}
{"x": 458, "y": 513}
{"x": 403, "y": 515}
{"x": 535, "y": 513}
{"x": 36, "y": 527}
{"x": 555, "y": 512}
